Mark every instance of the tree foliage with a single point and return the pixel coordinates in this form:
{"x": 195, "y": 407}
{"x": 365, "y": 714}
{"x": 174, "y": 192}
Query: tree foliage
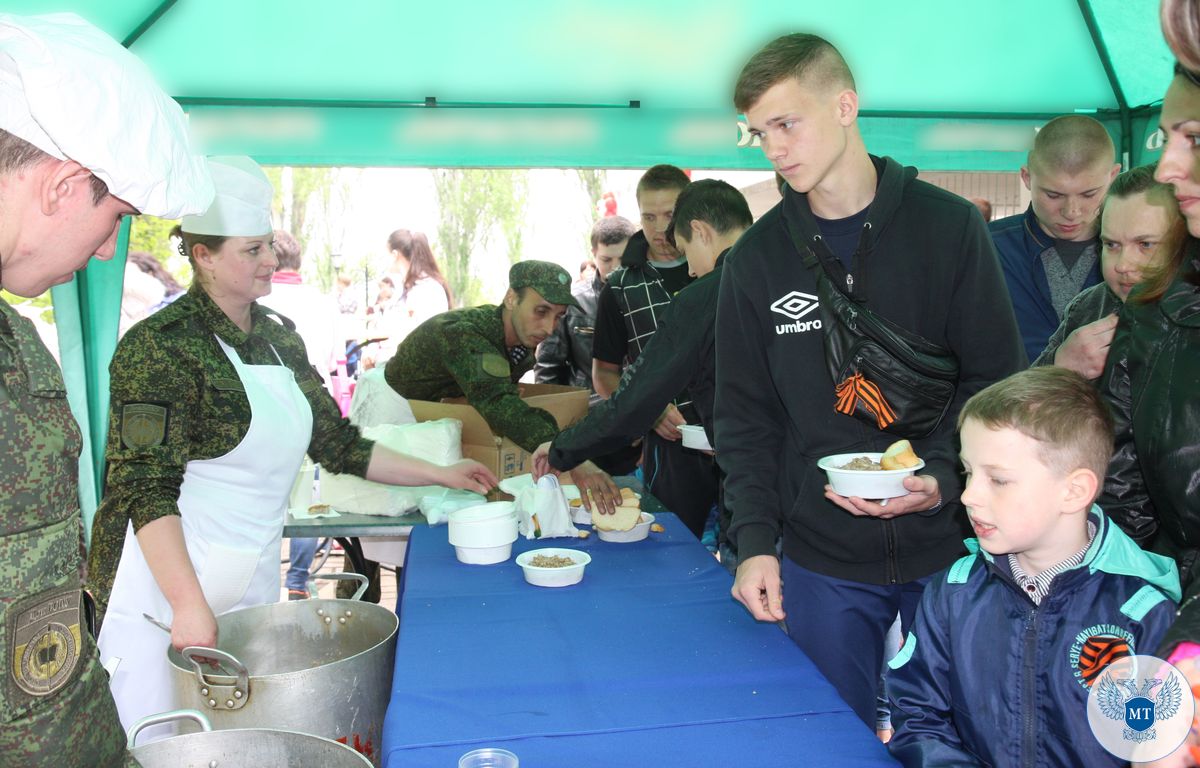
{"x": 475, "y": 205}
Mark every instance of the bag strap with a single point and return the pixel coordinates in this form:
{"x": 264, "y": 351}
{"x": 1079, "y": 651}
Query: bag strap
{"x": 825, "y": 281}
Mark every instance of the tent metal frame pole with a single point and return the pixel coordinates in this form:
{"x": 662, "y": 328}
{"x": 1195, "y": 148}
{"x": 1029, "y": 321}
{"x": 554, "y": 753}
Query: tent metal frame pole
{"x": 148, "y": 22}
{"x": 1089, "y": 18}
{"x": 427, "y": 103}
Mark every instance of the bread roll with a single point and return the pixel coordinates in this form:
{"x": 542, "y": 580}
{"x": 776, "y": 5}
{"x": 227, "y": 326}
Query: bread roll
{"x": 622, "y": 519}
{"x": 899, "y": 455}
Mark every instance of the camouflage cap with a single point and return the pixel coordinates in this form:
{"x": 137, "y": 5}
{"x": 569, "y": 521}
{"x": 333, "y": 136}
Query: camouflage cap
{"x": 548, "y": 279}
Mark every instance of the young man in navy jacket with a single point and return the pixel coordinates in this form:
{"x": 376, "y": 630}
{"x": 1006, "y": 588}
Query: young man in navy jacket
{"x": 1010, "y": 640}
{"x": 912, "y": 253}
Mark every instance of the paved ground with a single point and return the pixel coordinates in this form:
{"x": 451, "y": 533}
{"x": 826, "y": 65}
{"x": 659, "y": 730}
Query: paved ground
{"x": 334, "y": 565}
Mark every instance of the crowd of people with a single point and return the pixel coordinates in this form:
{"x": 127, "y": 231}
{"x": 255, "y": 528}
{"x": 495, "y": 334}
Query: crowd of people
{"x": 1042, "y": 365}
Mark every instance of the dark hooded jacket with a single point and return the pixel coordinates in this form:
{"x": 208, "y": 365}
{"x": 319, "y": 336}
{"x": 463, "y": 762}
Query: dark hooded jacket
{"x": 926, "y": 263}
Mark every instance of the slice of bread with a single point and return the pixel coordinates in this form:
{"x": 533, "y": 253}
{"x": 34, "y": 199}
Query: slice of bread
{"x": 622, "y": 519}
{"x": 899, "y": 455}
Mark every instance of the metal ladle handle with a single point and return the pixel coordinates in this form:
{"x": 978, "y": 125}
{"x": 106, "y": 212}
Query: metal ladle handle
{"x": 167, "y": 717}
{"x": 363, "y": 582}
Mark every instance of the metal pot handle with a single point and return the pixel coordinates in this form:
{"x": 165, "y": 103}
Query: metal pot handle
{"x": 167, "y": 717}
{"x": 220, "y": 695}
{"x": 363, "y": 582}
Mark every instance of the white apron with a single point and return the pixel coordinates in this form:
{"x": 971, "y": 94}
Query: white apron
{"x": 232, "y": 510}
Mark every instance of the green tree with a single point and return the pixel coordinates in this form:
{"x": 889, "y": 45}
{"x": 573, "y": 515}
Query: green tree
{"x": 474, "y": 204}
{"x": 308, "y": 204}
{"x": 594, "y": 180}
{"x": 153, "y": 235}
{"x": 42, "y": 302}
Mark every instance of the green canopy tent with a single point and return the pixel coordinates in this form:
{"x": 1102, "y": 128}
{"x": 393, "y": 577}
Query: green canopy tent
{"x": 944, "y": 85}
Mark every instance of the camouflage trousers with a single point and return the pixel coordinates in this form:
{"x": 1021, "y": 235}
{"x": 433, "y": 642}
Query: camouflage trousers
{"x": 74, "y": 727}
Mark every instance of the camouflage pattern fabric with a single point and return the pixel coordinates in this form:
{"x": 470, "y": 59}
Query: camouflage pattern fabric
{"x": 55, "y": 708}
{"x": 461, "y": 353}
{"x": 175, "y": 397}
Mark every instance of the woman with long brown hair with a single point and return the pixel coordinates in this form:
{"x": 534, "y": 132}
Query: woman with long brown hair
{"x": 421, "y": 289}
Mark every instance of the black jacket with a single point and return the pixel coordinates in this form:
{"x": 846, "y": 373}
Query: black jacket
{"x": 926, "y": 263}
{"x": 638, "y": 291}
{"x": 565, "y": 357}
{"x": 1152, "y": 381}
{"x": 1092, "y": 304}
{"x": 681, "y": 354}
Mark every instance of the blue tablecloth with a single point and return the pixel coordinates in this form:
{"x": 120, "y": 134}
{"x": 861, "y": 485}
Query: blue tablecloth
{"x": 648, "y": 661}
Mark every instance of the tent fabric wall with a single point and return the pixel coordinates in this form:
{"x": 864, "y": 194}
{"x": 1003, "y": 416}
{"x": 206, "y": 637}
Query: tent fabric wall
{"x": 86, "y": 314}
{"x": 944, "y": 85}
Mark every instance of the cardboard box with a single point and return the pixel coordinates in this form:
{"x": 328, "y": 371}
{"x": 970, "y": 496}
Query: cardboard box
{"x": 504, "y": 457}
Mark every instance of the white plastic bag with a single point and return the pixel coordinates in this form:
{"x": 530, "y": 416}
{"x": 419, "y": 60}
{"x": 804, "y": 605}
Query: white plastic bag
{"x": 437, "y": 506}
{"x": 438, "y": 441}
{"x": 375, "y": 402}
{"x": 542, "y": 511}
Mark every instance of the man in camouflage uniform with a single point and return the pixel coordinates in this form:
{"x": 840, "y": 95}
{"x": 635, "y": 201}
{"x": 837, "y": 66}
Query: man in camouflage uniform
{"x": 481, "y": 352}
{"x": 67, "y": 177}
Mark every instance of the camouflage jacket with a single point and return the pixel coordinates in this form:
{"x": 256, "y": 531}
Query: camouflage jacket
{"x": 175, "y": 397}
{"x": 55, "y": 708}
{"x": 462, "y": 353}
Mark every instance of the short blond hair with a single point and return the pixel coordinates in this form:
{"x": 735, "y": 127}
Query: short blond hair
{"x": 1071, "y": 144}
{"x": 1059, "y": 409}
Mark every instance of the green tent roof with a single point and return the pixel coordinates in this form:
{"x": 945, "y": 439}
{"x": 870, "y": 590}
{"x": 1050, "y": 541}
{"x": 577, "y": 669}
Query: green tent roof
{"x": 365, "y": 68}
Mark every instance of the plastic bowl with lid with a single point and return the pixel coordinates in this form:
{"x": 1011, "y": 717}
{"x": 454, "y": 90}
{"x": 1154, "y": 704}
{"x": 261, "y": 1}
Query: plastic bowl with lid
{"x": 483, "y": 534}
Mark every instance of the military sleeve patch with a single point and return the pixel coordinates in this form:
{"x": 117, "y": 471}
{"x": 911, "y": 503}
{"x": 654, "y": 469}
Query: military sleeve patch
{"x": 143, "y": 425}
{"x": 494, "y": 365}
{"x": 46, "y": 642}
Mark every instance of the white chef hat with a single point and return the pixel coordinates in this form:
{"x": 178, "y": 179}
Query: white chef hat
{"x": 242, "y": 206}
{"x": 73, "y": 92}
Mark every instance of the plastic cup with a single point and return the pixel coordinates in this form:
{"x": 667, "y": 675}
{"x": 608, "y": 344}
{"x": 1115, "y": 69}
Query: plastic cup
{"x": 488, "y": 758}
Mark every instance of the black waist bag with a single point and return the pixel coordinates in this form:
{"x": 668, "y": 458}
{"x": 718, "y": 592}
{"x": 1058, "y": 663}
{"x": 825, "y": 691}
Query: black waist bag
{"x": 884, "y": 375}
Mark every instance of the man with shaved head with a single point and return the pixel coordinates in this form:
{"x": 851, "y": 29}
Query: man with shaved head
{"x": 1051, "y": 252}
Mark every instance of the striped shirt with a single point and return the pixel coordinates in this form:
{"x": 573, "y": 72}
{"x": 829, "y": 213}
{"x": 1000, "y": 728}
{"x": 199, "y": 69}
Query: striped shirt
{"x": 1037, "y": 587}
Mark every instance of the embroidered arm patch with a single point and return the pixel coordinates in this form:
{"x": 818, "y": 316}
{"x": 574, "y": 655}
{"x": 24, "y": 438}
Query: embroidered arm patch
{"x": 143, "y": 425}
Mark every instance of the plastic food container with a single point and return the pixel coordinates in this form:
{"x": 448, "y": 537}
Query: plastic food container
{"x": 694, "y": 436}
{"x": 483, "y": 534}
{"x": 865, "y": 483}
{"x": 488, "y": 758}
{"x": 564, "y": 576}
{"x": 636, "y": 533}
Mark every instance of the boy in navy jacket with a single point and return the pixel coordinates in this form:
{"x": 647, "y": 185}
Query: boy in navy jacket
{"x": 1008, "y": 641}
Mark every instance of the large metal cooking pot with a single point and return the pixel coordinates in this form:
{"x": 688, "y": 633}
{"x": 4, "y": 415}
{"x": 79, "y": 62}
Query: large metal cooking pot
{"x": 240, "y": 748}
{"x": 315, "y": 666}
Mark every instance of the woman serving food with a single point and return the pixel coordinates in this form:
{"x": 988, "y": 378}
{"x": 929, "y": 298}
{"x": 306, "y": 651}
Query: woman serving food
{"x": 213, "y": 407}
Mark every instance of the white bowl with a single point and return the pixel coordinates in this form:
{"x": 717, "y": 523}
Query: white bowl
{"x": 480, "y": 512}
{"x": 694, "y": 436}
{"x": 865, "y": 483}
{"x": 636, "y": 533}
{"x": 581, "y": 515}
{"x": 484, "y": 555}
{"x": 484, "y": 533}
{"x": 554, "y": 577}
